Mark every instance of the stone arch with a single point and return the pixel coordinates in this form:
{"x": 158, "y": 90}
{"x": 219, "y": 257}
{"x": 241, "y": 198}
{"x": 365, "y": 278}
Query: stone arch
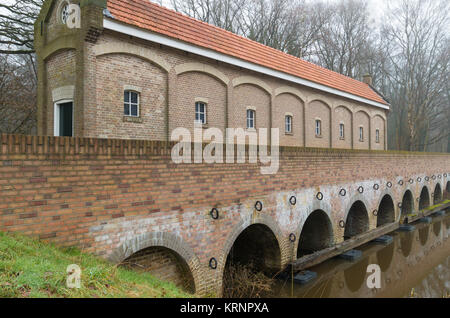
{"x": 127, "y": 48}
{"x": 356, "y": 219}
{"x": 382, "y": 131}
{"x": 437, "y": 193}
{"x": 386, "y": 210}
{"x": 361, "y": 118}
{"x": 342, "y": 115}
{"x": 289, "y": 103}
{"x": 447, "y": 191}
{"x": 407, "y": 203}
{"x": 290, "y": 90}
{"x": 165, "y": 240}
{"x": 320, "y": 98}
{"x": 318, "y": 108}
{"x": 252, "y": 81}
{"x": 202, "y": 68}
{"x": 424, "y": 199}
{"x": 316, "y": 233}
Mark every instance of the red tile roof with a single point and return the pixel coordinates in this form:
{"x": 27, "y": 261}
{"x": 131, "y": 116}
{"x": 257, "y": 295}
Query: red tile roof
{"x": 150, "y": 16}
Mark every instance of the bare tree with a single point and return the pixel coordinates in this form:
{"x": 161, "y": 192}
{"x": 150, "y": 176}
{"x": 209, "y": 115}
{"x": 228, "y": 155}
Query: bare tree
{"x": 419, "y": 60}
{"x": 17, "y": 25}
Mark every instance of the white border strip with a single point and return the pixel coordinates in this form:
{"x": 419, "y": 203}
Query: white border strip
{"x": 177, "y": 44}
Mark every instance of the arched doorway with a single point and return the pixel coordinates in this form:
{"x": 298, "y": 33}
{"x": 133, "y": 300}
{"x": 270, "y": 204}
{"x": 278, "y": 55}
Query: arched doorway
{"x": 163, "y": 263}
{"x": 357, "y": 221}
{"x": 424, "y": 200}
{"x": 317, "y": 234}
{"x": 386, "y": 211}
{"x": 437, "y": 198}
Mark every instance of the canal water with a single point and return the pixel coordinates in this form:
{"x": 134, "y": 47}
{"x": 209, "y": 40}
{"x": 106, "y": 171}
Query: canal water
{"x": 415, "y": 264}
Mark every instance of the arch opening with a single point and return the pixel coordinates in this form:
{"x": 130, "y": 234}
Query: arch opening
{"x": 386, "y": 211}
{"x": 447, "y": 191}
{"x": 163, "y": 263}
{"x": 407, "y": 204}
{"x": 357, "y": 220}
{"x": 437, "y": 198}
{"x": 317, "y": 234}
{"x": 424, "y": 200}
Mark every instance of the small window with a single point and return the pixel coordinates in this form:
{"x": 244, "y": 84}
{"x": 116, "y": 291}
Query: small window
{"x": 377, "y": 136}
{"x": 341, "y": 131}
{"x": 250, "y": 118}
{"x": 131, "y": 104}
{"x": 361, "y": 134}
{"x": 288, "y": 124}
{"x": 318, "y": 127}
{"x": 200, "y": 113}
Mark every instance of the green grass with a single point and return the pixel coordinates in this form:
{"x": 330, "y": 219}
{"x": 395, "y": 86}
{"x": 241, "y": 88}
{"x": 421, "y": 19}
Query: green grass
{"x": 31, "y": 268}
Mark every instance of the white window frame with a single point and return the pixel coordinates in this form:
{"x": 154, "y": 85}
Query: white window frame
{"x": 361, "y": 133}
{"x": 341, "y": 130}
{"x": 377, "y": 136}
{"x": 252, "y": 120}
{"x": 288, "y": 124}
{"x": 56, "y": 112}
{"x": 130, "y": 103}
{"x": 318, "y": 127}
{"x": 199, "y": 112}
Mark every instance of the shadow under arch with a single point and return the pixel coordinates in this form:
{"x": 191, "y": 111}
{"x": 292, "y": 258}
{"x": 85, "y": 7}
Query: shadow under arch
{"x": 181, "y": 264}
{"x": 356, "y": 275}
{"x": 386, "y": 211}
{"x": 357, "y": 220}
{"x": 437, "y": 194}
{"x": 407, "y": 206}
{"x": 437, "y": 228}
{"x": 424, "y": 199}
{"x": 316, "y": 234}
{"x": 385, "y": 257}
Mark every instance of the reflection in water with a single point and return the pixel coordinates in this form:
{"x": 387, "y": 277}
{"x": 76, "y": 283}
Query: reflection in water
{"x": 423, "y": 235}
{"x": 406, "y": 242}
{"x": 421, "y": 269}
{"x": 356, "y": 275}
{"x": 385, "y": 256}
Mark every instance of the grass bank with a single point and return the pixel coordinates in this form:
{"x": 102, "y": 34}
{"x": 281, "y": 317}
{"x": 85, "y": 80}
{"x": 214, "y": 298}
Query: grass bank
{"x": 31, "y": 268}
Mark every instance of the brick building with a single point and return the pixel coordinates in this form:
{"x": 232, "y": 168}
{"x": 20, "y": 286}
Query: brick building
{"x": 136, "y": 70}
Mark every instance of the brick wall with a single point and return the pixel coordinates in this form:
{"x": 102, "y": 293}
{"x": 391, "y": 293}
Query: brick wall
{"x": 101, "y": 194}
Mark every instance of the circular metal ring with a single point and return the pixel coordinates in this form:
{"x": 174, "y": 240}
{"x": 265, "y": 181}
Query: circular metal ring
{"x": 411, "y": 181}
{"x": 292, "y": 237}
{"x": 432, "y": 194}
{"x": 375, "y": 212}
{"x": 445, "y": 175}
{"x": 214, "y": 213}
{"x": 343, "y": 192}
{"x": 400, "y": 205}
{"x": 319, "y": 196}
{"x": 417, "y": 199}
{"x": 213, "y": 263}
{"x": 376, "y": 186}
{"x": 293, "y": 200}
{"x": 433, "y": 177}
{"x": 342, "y": 223}
{"x": 419, "y": 179}
{"x": 439, "y": 176}
{"x": 389, "y": 184}
{"x": 427, "y": 178}
{"x": 400, "y": 182}
{"x": 258, "y": 206}
{"x": 360, "y": 189}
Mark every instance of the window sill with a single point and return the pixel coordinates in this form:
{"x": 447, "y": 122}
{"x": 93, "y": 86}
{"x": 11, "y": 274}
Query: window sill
{"x": 341, "y": 138}
{"x": 200, "y": 125}
{"x": 289, "y": 134}
{"x": 251, "y": 129}
{"x": 131, "y": 119}
{"x": 319, "y": 136}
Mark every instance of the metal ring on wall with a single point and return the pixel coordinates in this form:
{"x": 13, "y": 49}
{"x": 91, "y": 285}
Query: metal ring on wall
{"x": 427, "y": 178}
{"x": 214, "y": 213}
{"x": 419, "y": 179}
{"x": 433, "y": 177}
{"x": 342, "y": 223}
{"x": 376, "y": 186}
{"x": 375, "y": 212}
{"x": 292, "y": 237}
{"x": 293, "y": 200}
{"x": 343, "y": 192}
{"x": 389, "y": 184}
{"x": 360, "y": 189}
{"x": 213, "y": 263}
{"x": 439, "y": 176}
{"x": 399, "y": 205}
{"x": 319, "y": 196}
{"x": 445, "y": 175}
{"x": 400, "y": 182}
{"x": 432, "y": 194}
{"x": 411, "y": 181}
{"x": 258, "y": 206}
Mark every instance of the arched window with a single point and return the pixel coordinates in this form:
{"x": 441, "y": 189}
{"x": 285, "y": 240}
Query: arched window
{"x": 200, "y": 113}
{"x": 288, "y": 124}
{"x": 251, "y": 115}
{"x": 131, "y": 103}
